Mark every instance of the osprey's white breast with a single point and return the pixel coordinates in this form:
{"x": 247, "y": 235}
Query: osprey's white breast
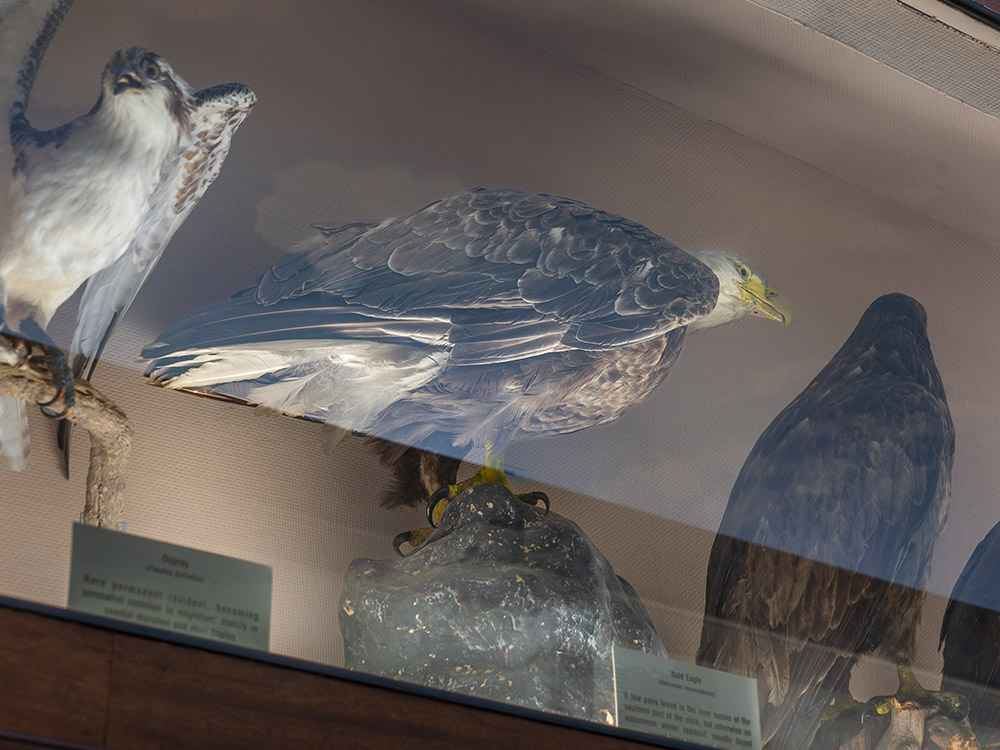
{"x": 83, "y": 200}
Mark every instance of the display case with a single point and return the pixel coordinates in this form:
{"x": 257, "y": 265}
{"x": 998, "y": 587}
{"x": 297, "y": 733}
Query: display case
{"x": 846, "y": 150}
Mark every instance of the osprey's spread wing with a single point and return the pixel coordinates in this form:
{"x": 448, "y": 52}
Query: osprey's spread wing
{"x": 26, "y": 28}
{"x": 217, "y": 114}
{"x": 826, "y": 541}
{"x": 213, "y": 118}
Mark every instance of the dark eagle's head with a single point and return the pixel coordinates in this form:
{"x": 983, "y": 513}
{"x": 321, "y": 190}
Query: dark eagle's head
{"x": 136, "y": 77}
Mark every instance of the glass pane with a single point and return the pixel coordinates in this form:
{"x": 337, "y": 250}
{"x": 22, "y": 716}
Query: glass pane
{"x": 483, "y": 231}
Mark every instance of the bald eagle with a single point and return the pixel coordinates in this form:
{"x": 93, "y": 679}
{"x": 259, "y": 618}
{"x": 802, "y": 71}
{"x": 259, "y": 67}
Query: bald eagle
{"x": 826, "y": 542}
{"x": 970, "y": 636}
{"x": 483, "y": 316}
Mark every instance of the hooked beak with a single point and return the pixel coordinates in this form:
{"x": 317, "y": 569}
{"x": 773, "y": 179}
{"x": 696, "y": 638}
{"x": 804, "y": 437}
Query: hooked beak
{"x": 767, "y": 303}
{"x": 127, "y": 80}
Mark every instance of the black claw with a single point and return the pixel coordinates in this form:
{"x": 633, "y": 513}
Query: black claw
{"x": 57, "y": 415}
{"x": 399, "y": 540}
{"x": 67, "y": 405}
{"x": 534, "y": 498}
{"x": 432, "y": 503}
{"x": 59, "y": 394}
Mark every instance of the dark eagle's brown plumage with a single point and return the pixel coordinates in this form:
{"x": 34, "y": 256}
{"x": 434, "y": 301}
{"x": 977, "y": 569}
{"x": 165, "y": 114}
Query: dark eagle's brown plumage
{"x": 826, "y": 542}
{"x": 970, "y": 636}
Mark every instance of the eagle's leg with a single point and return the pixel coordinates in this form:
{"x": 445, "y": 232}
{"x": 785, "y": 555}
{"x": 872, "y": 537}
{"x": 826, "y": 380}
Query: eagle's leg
{"x": 911, "y": 691}
{"x": 491, "y": 472}
{"x": 58, "y": 369}
{"x": 448, "y": 488}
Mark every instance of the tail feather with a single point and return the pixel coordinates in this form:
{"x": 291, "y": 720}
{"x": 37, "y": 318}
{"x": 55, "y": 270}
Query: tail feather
{"x": 15, "y": 442}
{"x": 346, "y": 383}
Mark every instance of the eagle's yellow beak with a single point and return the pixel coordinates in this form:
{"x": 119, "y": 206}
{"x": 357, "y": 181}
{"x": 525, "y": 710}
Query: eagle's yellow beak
{"x": 765, "y": 300}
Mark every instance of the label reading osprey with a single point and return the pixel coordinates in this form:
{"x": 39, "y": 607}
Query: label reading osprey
{"x": 685, "y": 702}
{"x": 171, "y": 587}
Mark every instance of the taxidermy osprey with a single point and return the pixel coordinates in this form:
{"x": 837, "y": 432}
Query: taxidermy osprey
{"x": 485, "y": 315}
{"x": 826, "y": 542}
{"x": 97, "y": 199}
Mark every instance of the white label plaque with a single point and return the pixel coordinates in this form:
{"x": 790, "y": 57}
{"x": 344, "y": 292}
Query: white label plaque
{"x": 167, "y": 586}
{"x": 685, "y": 702}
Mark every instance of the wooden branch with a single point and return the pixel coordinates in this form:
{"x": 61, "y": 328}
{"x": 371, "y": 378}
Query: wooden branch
{"x": 110, "y": 432}
{"x": 906, "y": 727}
{"x": 909, "y": 725}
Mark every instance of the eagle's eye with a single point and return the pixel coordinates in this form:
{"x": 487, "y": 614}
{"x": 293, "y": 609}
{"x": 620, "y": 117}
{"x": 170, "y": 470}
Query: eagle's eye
{"x": 152, "y": 71}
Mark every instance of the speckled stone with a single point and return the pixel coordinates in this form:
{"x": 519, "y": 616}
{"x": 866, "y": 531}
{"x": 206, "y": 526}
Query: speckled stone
{"x": 504, "y": 602}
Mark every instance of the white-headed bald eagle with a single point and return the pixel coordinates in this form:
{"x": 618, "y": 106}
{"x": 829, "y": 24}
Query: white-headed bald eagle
{"x": 483, "y": 316}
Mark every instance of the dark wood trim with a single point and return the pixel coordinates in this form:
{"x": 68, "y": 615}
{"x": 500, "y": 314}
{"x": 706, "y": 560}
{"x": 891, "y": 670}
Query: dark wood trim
{"x": 73, "y": 685}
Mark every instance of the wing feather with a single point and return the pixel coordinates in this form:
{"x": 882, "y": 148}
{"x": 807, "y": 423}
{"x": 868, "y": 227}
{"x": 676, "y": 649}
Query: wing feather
{"x": 218, "y": 113}
{"x": 575, "y": 276}
{"x": 825, "y": 544}
{"x": 26, "y": 28}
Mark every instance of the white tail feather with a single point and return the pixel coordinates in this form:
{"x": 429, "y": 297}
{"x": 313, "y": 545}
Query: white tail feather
{"x": 15, "y": 442}
{"x": 342, "y": 382}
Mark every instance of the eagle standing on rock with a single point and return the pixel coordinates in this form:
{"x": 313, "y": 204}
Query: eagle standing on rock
{"x": 826, "y": 542}
{"x": 483, "y": 316}
{"x": 95, "y": 200}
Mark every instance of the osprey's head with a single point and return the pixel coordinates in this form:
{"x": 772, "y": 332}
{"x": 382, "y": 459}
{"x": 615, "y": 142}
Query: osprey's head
{"x": 137, "y": 72}
{"x": 742, "y": 291}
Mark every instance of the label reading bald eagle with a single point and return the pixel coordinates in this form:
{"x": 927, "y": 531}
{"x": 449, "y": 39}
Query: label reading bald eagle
{"x": 685, "y": 702}
{"x": 167, "y": 586}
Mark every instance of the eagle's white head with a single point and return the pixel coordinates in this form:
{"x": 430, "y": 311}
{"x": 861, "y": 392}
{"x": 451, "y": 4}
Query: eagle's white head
{"x": 136, "y": 81}
{"x": 743, "y": 291}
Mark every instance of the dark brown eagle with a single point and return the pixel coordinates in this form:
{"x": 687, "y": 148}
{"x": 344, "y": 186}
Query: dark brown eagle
{"x": 970, "y": 636}
{"x": 826, "y": 542}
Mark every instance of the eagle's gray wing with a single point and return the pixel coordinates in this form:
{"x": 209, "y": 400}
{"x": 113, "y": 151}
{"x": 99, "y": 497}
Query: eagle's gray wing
{"x": 26, "y": 28}
{"x": 521, "y": 274}
{"x": 484, "y": 277}
{"x": 218, "y": 113}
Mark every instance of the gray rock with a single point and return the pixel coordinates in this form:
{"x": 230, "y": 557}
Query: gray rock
{"x": 503, "y": 602}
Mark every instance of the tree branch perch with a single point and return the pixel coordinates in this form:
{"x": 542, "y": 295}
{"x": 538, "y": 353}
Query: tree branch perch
{"x": 27, "y": 379}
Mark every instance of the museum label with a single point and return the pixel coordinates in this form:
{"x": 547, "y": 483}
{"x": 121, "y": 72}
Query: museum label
{"x": 167, "y": 586}
{"x": 685, "y": 702}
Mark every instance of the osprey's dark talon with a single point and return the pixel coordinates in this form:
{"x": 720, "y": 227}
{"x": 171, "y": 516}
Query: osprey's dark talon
{"x": 442, "y": 494}
{"x": 52, "y": 414}
{"x": 62, "y": 380}
{"x": 67, "y": 399}
{"x": 534, "y": 498}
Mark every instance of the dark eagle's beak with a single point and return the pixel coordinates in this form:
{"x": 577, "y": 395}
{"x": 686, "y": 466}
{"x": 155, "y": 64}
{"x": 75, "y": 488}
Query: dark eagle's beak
{"x": 127, "y": 79}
